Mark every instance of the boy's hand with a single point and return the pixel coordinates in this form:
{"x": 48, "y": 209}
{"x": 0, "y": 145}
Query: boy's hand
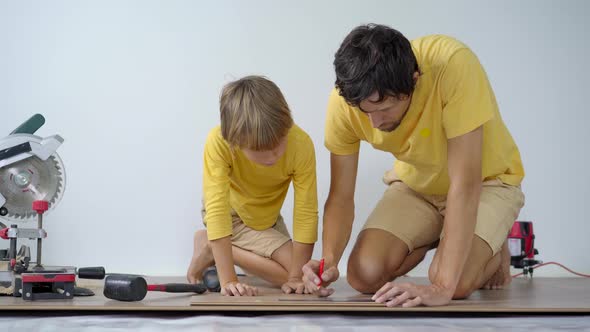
{"x": 296, "y": 286}
{"x": 312, "y": 280}
{"x": 235, "y": 288}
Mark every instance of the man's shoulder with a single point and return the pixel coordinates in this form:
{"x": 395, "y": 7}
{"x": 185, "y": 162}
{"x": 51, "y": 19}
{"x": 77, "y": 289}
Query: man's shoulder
{"x": 438, "y": 41}
{"x": 433, "y": 50}
{"x": 338, "y": 105}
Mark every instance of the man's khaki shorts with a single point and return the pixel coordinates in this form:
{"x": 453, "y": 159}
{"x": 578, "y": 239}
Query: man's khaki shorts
{"x": 417, "y": 219}
{"x": 263, "y": 243}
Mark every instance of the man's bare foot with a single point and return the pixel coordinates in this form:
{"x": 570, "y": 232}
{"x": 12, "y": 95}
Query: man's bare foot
{"x": 501, "y": 278}
{"x": 202, "y": 257}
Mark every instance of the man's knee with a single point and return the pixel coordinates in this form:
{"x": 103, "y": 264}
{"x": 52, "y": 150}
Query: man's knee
{"x": 374, "y": 260}
{"x": 367, "y": 274}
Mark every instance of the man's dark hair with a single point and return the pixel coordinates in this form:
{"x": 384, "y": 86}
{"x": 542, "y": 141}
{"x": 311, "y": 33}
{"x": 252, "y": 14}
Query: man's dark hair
{"x": 374, "y": 58}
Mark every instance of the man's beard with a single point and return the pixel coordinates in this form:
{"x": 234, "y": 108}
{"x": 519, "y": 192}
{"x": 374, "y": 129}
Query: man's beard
{"x": 394, "y": 126}
{"x": 390, "y": 128}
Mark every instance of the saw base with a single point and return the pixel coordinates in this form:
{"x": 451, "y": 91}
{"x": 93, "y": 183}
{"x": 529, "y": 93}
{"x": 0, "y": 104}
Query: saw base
{"x": 47, "y": 285}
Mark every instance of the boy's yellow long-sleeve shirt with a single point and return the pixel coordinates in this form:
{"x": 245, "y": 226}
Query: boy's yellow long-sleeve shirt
{"x": 257, "y": 192}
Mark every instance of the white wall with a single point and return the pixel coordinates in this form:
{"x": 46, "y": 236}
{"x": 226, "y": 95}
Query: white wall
{"x": 133, "y": 87}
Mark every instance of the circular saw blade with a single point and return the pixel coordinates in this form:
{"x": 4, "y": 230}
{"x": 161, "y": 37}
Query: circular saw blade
{"x": 29, "y": 180}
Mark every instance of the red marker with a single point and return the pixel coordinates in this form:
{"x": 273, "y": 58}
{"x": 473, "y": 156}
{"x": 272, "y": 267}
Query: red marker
{"x": 321, "y": 271}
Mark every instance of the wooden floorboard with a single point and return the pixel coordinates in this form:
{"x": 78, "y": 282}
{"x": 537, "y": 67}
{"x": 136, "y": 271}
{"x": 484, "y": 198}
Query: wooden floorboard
{"x": 539, "y": 295}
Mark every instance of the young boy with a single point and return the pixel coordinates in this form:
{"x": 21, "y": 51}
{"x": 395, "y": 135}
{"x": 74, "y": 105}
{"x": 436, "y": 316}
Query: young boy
{"x": 249, "y": 162}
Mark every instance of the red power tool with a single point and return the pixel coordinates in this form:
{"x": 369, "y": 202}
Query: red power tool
{"x": 521, "y": 244}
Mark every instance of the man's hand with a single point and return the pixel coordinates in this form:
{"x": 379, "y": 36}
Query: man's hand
{"x": 312, "y": 280}
{"x": 410, "y": 295}
{"x": 296, "y": 286}
{"x": 234, "y": 288}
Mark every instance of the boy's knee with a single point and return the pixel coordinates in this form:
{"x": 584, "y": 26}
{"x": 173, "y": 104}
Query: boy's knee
{"x": 200, "y": 237}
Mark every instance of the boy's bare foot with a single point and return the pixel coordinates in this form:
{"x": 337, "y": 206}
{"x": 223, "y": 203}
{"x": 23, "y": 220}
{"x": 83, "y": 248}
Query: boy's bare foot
{"x": 501, "y": 278}
{"x": 202, "y": 257}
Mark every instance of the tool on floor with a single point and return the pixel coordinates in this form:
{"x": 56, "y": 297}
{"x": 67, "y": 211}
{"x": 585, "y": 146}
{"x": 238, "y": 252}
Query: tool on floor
{"x": 57, "y": 283}
{"x": 211, "y": 279}
{"x": 126, "y": 287}
{"x": 521, "y": 244}
{"x": 32, "y": 182}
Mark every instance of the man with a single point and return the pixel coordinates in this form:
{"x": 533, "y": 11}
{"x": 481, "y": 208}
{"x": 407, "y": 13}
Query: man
{"x": 455, "y": 184}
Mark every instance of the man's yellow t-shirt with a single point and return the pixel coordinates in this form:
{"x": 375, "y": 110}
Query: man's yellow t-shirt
{"x": 452, "y": 97}
{"x": 257, "y": 192}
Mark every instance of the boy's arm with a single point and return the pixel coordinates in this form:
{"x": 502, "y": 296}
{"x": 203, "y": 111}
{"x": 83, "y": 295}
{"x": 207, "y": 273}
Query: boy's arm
{"x": 217, "y": 230}
{"x": 224, "y": 260}
{"x": 216, "y": 186}
{"x": 219, "y": 234}
{"x": 305, "y": 209}
{"x": 301, "y": 254}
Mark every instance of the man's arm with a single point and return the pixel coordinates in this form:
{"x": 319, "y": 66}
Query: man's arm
{"x": 339, "y": 207}
{"x": 464, "y": 164}
{"x": 338, "y": 218}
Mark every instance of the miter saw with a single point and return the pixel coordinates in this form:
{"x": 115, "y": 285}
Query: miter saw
{"x": 32, "y": 181}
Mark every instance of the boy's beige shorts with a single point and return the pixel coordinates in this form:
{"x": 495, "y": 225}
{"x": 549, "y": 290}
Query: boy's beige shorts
{"x": 263, "y": 243}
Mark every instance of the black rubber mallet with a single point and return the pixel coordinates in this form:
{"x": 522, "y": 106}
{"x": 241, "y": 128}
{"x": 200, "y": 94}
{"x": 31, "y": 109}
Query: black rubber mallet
{"x": 211, "y": 279}
{"x": 126, "y": 287}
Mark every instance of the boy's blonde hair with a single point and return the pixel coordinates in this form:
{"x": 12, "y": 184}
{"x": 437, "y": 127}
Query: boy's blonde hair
{"x": 254, "y": 114}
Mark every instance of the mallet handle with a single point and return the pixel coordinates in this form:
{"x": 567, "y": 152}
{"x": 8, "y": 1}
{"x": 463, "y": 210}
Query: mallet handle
{"x": 178, "y": 288}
